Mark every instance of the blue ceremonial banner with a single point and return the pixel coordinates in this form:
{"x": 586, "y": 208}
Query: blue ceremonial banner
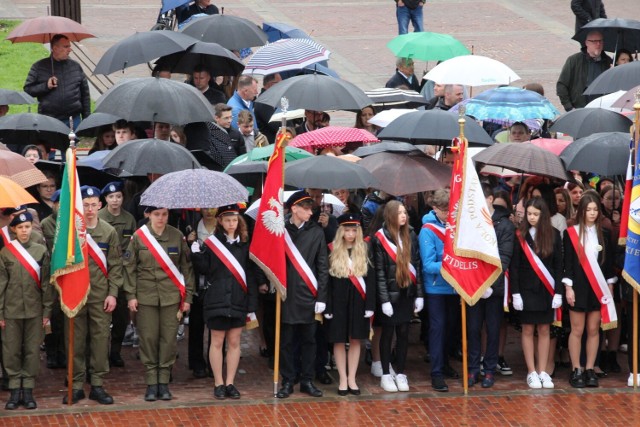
{"x": 631, "y": 271}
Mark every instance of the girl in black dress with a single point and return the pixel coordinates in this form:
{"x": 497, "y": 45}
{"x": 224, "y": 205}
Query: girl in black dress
{"x": 535, "y": 272}
{"x": 351, "y": 299}
{"x": 230, "y": 295}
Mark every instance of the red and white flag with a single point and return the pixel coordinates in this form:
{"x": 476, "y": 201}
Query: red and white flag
{"x": 471, "y": 262}
{"x": 268, "y": 246}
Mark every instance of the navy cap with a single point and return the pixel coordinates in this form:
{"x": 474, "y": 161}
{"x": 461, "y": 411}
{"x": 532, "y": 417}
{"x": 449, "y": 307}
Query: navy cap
{"x": 299, "y": 197}
{"x": 19, "y": 219}
{"x": 89, "y": 191}
{"x": 349, "y": 219}
{"x": 112, "y": 187}
{"x": 149, "y": 209}
{"x": 228, "y": 210}
{"x": 55, "y": 198}
{"x": 10, "y": 211}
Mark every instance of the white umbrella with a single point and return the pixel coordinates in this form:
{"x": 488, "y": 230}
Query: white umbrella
{"x": 383, "y": 118}
{"x": 289, "y": 115}
{"x": 607, "y": 101}
{"x": 472, "y": 70}
{"x": 338, "y": 206}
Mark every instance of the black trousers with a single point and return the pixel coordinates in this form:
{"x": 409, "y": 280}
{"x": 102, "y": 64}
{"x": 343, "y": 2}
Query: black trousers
{"x": 305, "y": 336}
{"x": 119, "y": 320}
{"x": 196, "y": 335}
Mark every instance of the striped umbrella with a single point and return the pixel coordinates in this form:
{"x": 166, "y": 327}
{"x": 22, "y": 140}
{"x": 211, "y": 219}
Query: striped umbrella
{"x": 385, "y": 96}
{"x": 286, "y": 54}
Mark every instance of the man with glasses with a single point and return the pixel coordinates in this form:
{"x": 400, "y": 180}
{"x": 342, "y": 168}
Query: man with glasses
{"x": 580, "y": 70}
{"x": 404, "y": 77}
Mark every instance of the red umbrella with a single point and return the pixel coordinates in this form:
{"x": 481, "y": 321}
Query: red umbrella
{"x": 43, "y": 28}
{"x": 554, "y": 145}
{"x": 332, "y": 136}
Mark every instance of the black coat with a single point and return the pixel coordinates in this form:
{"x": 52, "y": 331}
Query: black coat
{"x": 299, "y": 307}
{"x": 586, "y": 299}
{"x": 505, "y": 233}
{"x": 347, "y": 306}
{"x": 525, "y": 281}
{"x": 224, "y": 296}
{"x": 387, "y": 288}
{"x": 586, "y": 11}
{"x": 399, "y": 80}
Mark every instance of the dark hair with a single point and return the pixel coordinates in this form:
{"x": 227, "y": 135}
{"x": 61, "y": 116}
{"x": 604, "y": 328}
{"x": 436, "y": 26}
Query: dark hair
{"x": 221, "y": 108}
{"x": 31, "y": 147}
{"x": 123, "y": 124}
{"x": 503, "y": 195}
{"x": 55, "y": 39}
{"x": 590, "y": 196}
{"x": 359, "y": 122}
{"x": 201, "y": 68}
{"x": 487, "y": 190}
{"x": 620, "y": 52}
{"x": 268, "y": 79}
{"x": 99, "y": 142}
{"x": 549, "y": 197}
{"x": 403, "y": 258}
{"x": 535, "y": 87}
{"x": 241, "y": 231}
{"x": 543, "y": 240}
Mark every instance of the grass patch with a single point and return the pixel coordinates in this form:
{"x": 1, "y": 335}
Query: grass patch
{"x": 15, "y": 62}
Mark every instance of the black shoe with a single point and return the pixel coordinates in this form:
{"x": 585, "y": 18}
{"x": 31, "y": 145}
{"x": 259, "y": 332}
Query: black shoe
{"x": 27, "y": 399}
{"x": 163, "y": 392}
{"x": 438, "y": 384}
{"x": 4, "y": 384}
{"x": 296, "y": 379}
{"x": 100, "y": 395}
{"x": 613, "y": 362}
{"x": 151, "y": 395}
{"x": 220, "y": 392}
{"x": 354, "y": 391}
{"x": 591, "y": 379}
{"x": 449, "y": 372}
{"x": 116, "y": 360}
{"x": 577, "y": 378}
{"x": 14, "y": 400}
{"x": 343, "y": 392}
{"x": 285, "y": 391}
{"x": 603, "y": 361}
{"x": 199, "y": 373}
{"x": 76, "y": 396}
{"x": 310, "y": 389}
{"x": 232, "y": 392}
{"x": 324, "y": 378}
{"x": 264, "y": 352}
{"x": 52, "y": 362}
{"x": 368, "y": 357}
{"x": 472, "y": 379}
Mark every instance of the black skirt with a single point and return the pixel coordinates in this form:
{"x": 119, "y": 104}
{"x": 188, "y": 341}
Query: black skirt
{"x": 221, "y": 323}
{"x": 536, "y": 317}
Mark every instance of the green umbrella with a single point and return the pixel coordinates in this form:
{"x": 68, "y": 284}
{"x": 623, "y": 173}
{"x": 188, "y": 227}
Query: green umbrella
{"x": 427, "y": 46}
{"x": 263, "y": 153}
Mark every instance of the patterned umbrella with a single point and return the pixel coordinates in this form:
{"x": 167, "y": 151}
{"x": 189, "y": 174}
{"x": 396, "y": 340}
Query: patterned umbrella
{"x": 386, "y": 97}
{"x": 19, "y": 169}
{"x": 194, "y": 188}
{"x": 332, "y": 136}
{"x": 510, "y": 103}
{"x": 286, "y": 54}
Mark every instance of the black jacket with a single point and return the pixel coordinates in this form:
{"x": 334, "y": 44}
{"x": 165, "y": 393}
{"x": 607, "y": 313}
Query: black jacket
{"x": 398, "y": 80}
{"x": 224, "y": 296}
{"x": 299, "y": 307}
{"x": 505, "y": 233}
{"x": 70, "y": 98}
{"x": 586, "y": 11}
{"x": 194, "y": 9}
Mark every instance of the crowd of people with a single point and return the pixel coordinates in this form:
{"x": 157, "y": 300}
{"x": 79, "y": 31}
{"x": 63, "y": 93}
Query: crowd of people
{"x": 367, "y": 273}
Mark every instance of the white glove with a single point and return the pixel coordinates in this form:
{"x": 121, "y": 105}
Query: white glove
{"x": 518, "y": 304}
{"x": 418, "y": 305}
{"x": 195, "y": 247}
{"x": 320, "y": 306}
{"x": 368, "y": 314}
{"x": 387, "y": 309}
{"x": 487, "y": 293}
{"x": 328, "y": 316}
{"x": 557, "y": 301}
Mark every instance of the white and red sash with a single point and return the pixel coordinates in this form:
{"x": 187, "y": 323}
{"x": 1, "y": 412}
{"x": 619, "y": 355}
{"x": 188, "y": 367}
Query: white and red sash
{"x": 227, "y": 258}
{"x": 300, "y": 264}
{"x": 25, "y": 259}
{"x": 543, "y": 274}
{"x": 596, "y": 279}
{"x": 96, "y": 254}
{"x": 392, "y": 251}
{"x": 437, "y": 230}
{"x": 4, "y": 235}
{"x": 358, "y": 282}
{"x": 163, "y": 260}
{"x": 507, "y": 292}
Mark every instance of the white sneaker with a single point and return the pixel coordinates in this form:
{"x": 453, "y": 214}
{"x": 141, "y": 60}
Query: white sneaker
{"x": 388, "y": 384}
{"x": 392, "y": 372}
{"x": 402, "y": 383}
{"x": 630, "y": 380}
{"x": 376, "y": 369}
{"x": 533, "y": 380}
{"x": 546, "y": 380}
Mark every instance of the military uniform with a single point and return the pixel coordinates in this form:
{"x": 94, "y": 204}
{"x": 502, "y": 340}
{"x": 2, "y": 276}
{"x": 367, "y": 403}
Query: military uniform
{"x": 23, "y": 305}
{"x": 158, "y": 300}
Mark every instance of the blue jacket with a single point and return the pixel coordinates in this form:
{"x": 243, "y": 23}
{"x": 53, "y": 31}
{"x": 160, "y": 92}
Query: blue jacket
{"x": 237, "y": 104}
{"x": 431, "y": 250}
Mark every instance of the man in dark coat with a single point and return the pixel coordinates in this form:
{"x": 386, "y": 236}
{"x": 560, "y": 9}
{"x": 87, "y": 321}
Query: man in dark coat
{"x": 225, "y": 142}
{"x": 404, "y": 76}
{"x": 302, "y": 304}
{"x": 198, "y": 7}
{"x": 201, "y": 81}
{"x": 586, "y": 11}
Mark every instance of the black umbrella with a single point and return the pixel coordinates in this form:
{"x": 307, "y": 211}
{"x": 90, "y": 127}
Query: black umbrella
{"x": 604, "y": 153}
{"x": 622, "y": 77}
{"x": 386, "y": 147}
{"x": 251, "y": 174}
{"x": 218, "y": 60}
{"x": 27, "y": 128}
{"x": 583, "y": 122}
{"x": 142, "y": 156}
{"x": 87, "y": 127}
{"x": 231, "y": 32}
{"x": 617, "y": 33}
{"x": 140, "y": 48}
{"x": 328, "y": 172}
{"x": 316, "y": 92}
{"x": 14, "y": 97}
{"x": 153, "y": 99}
{"x": 433, "y": 126}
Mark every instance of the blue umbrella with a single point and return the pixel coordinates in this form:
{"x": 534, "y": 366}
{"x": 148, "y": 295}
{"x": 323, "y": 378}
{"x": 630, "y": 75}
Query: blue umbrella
{"x": 172, "y": 4}
{"x": 510, "y": 103}
{"x": 94, "y": 160}
{"x": 277, "y": 30}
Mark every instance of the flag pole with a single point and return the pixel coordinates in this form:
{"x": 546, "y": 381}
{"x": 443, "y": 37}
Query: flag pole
{"x": 636, "y": 139}
{"x": 465, "y": 362}
{"x": 70, "y": 346}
